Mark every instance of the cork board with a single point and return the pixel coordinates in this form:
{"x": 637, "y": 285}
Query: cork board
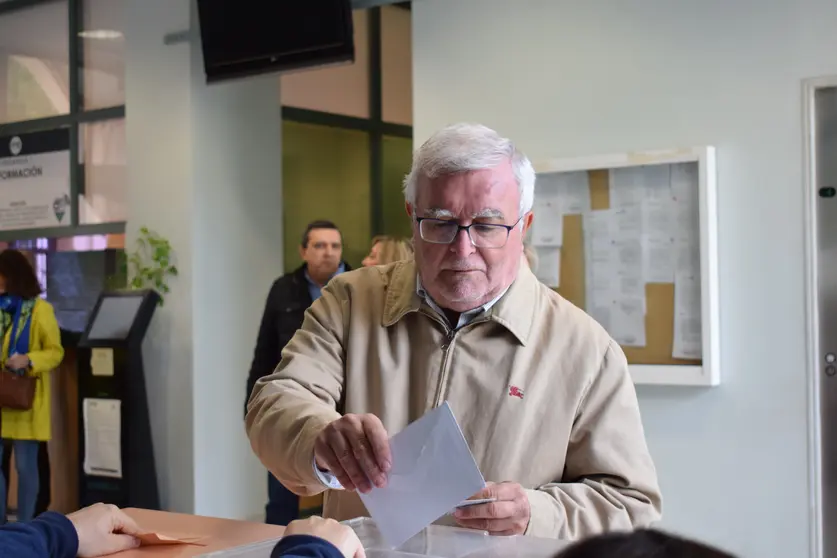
{"x": 659, "y": 317}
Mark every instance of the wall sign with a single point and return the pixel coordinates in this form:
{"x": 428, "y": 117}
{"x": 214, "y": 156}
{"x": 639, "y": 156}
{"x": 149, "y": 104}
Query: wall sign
{"x": 35, "y": 180}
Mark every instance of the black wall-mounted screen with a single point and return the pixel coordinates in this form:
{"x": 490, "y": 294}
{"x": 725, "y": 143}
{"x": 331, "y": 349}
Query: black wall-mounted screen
{"x": 115, "y": 317}
{"x": 248, "y": 37}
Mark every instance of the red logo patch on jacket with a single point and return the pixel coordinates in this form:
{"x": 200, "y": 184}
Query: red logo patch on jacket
{"x": 515, "y": 391}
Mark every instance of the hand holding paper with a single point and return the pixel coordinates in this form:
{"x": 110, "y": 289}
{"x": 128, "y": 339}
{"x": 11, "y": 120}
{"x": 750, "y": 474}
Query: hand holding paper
{"x": 103, "y": 529}
{"x": 432, "y": 472}
{"x": 504, "y": 510}
{"x": 355, "y": 449}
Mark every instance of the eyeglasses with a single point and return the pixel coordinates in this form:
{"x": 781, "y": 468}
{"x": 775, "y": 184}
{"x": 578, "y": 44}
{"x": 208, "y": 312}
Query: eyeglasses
{"x": 482, "y": 235}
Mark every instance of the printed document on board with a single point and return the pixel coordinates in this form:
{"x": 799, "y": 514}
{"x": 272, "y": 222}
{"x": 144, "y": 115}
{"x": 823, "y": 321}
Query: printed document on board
{"x": 615, "y": 286}
{"x": 102, "y": 437}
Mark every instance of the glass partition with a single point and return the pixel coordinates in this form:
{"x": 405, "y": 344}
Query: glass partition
{"x": 34, "y": 77}
{"x": 103, "y": 54}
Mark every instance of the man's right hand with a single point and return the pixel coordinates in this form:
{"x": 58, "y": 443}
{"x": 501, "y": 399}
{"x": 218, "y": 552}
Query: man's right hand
{"x": 355, "y": 449}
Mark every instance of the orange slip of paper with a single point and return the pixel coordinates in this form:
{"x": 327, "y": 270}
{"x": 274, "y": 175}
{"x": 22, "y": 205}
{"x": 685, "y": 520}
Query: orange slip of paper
{"x": 159, "y": 539}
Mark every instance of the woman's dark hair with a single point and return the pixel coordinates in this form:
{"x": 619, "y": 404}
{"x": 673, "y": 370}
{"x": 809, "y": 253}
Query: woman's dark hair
{"x": 20, "y": 277}
{"x": 643, "y": 543}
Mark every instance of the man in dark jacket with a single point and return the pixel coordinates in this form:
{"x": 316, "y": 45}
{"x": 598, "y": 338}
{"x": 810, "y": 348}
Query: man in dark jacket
{"x": 321, "y": 250}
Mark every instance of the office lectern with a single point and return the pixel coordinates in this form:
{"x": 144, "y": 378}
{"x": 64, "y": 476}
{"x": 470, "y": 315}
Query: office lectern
{"x": 116, "y": 450}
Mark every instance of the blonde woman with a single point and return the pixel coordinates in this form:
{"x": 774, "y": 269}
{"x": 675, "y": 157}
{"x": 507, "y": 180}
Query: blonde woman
{"x": 387, "y": 249}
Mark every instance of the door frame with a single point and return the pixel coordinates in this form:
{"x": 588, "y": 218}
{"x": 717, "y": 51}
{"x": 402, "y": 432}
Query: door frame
{"x": 809, "y": 88}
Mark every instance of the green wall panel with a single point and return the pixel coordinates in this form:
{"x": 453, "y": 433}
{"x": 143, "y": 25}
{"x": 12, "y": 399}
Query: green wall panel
{"x": 397, "y": 155}
{"x": 325, "y": 175}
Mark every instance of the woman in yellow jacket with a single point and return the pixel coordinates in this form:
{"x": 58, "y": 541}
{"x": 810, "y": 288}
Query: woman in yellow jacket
{"x": 31, "y": 345}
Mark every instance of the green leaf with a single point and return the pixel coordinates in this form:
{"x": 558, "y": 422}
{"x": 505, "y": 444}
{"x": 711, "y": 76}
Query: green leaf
{"x": 173, "y": 270}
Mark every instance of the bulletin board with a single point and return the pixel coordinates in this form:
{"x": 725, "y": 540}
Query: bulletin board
{"x": 653, "y": 362}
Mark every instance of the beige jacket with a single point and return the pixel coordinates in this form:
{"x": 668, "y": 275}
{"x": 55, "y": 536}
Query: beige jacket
{"x": 542, "y": 394}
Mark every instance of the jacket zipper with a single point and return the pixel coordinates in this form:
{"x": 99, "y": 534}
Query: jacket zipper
{"x": 443, "y": 373}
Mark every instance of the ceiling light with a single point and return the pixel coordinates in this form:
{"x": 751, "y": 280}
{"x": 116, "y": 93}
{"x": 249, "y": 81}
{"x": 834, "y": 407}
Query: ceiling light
{"x": 103, "y": 34}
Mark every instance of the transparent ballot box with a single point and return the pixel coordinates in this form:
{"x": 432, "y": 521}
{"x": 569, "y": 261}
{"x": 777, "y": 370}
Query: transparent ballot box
{"x": 435, "y": 541}
{"x": 440, "y": 541}
{"x": 253, "y": 550}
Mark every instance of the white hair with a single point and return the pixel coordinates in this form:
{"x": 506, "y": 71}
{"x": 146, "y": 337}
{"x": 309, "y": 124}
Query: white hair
{"x": 469, "y": 147}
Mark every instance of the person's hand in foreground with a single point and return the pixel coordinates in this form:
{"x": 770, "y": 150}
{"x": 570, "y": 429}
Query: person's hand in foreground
{"x": 507, "y": 515}
{"x": 103, "y": 529}
{"x": 355, "y": 449}
{"x": 341, "y": 536}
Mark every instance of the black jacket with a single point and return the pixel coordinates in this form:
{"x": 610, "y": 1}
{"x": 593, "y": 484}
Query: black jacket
{"x": 283, "y": 314}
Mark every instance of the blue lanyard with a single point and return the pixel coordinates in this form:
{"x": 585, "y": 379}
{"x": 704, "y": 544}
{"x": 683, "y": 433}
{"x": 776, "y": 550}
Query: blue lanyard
{"x": 13, "y": 337}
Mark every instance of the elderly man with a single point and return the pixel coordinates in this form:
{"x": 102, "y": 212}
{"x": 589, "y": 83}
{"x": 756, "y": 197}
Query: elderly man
{"x": 541, "y": 392}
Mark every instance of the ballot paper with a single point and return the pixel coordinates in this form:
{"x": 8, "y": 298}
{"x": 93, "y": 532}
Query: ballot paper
{"x": 159, "y": 539}
{"x": 432, "y": 472}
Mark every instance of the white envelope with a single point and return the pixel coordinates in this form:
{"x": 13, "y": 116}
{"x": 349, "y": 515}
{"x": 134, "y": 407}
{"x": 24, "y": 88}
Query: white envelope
{"x": 432, "y": 471}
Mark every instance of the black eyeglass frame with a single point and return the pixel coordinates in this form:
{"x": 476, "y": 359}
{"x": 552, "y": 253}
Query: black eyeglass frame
{"x": 467, "y": 229}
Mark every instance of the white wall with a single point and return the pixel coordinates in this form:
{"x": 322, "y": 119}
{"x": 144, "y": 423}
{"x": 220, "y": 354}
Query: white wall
{"x": 160, "y": 186}
{"x": 566, "y": 78}
{"x": 204, "y": 170}
{"x": 237, "y": 254}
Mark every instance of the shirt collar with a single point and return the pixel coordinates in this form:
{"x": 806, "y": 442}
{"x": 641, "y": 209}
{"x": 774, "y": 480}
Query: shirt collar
{"x": 465, "y": 317}
{"x": 515, "y": 310}
{"x": 340, "y": 269}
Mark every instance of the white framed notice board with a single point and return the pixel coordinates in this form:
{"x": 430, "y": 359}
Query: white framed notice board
{"x": 632, "y": 239}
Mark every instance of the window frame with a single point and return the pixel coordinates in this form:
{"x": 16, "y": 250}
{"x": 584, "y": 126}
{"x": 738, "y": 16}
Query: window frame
{"x": 73, "y": 121}
{"x": 375, "y": 125}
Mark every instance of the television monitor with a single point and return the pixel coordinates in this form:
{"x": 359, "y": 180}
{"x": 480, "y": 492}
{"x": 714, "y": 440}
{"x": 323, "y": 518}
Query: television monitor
{"x": 248, "y": 37}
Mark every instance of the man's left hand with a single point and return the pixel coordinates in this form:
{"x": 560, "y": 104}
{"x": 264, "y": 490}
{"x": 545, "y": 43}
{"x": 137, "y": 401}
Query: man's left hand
{"x": 507, "y": 515}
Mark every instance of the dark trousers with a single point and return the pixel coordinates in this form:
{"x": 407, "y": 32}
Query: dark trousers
{"x": 282, "y": 504}
{"x": 44, "y": 485}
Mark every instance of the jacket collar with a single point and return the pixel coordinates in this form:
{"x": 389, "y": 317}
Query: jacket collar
{"x": 515, "y": 310}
